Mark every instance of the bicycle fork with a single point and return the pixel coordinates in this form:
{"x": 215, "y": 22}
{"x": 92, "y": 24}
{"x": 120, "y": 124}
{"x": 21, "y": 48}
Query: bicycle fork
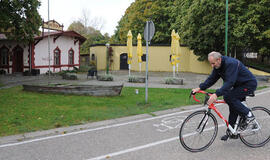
{"x": 203, "y": 122}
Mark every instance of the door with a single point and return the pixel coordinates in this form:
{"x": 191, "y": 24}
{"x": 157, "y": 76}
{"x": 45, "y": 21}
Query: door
{"x": 123, "y": 61}
{"x": 17, "y": 64}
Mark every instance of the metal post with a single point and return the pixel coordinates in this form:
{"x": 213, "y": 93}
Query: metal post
{"x": 107, "y": 69}
{"x": 146, "y": 65}
{"x": 174, "y": 71}
{"x": 226, "y": 30}
{"x": 30, "y": 58}
{"x": 49, "y": 41}
{"x": 107, "y": 57}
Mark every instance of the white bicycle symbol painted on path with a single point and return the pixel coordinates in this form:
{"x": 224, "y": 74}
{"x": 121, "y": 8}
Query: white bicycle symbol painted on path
{"x": 169, "y": 123}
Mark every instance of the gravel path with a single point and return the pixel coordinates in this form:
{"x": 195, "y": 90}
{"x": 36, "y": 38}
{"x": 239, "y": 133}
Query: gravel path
{"x": 155, "y": 80}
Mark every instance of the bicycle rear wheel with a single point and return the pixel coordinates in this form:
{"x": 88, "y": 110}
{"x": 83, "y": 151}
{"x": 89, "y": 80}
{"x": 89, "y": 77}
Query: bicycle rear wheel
{"x": 198, "y": 131}
{"x": 258, "y": 132}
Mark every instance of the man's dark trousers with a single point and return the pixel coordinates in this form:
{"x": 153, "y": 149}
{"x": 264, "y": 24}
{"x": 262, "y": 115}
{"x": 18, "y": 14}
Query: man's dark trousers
{"x": 234, "y": 98}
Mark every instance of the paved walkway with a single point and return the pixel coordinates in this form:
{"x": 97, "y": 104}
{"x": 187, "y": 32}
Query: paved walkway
{"x": 156, "y": 80}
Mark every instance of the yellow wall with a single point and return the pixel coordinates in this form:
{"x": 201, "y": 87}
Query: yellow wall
{"x": 257, "y": 72}
{"x": 158, "y": 60}
{"x": 198, "y": 66}
{"x": 100, "y": 54}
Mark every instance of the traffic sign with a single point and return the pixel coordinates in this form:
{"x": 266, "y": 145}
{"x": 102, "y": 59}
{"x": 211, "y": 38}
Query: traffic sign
{"x": 149, "y": 31}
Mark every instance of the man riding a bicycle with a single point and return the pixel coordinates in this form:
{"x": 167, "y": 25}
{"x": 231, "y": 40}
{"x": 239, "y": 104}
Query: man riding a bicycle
{"x": 239, "y": 82}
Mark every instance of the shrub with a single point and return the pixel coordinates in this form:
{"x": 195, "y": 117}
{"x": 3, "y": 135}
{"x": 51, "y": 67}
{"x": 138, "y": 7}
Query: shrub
{"x": 134, "y": 79}
{"x": 84, "y": 68}
{"x": 106, "y": 77}
{"x": 171, "y": 80}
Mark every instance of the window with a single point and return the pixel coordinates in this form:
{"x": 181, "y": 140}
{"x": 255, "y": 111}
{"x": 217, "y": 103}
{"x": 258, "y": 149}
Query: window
{"x": 93, "y": 57}
{"x": 144, "y": 57}
{"x": 4, "y": 56}
{"x": 57, "y": 57}
{"x": 71, "y": 56}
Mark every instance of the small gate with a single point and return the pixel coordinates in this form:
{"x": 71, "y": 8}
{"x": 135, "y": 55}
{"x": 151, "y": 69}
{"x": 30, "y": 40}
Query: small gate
{"x": 17, "y": 64}
{"x": 123, "y": 61}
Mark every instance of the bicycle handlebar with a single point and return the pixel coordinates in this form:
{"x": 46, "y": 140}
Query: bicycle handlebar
{"x": 207, "y": 95}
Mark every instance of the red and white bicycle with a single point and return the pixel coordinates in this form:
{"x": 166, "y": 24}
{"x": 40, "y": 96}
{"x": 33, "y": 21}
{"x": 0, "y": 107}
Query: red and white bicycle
{"x": 200, "y": 128}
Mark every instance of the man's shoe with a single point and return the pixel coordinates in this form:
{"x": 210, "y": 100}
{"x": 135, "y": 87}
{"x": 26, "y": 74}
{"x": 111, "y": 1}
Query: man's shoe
{"x": 229, "y": 135}
{"x": 225, "y": 137}
{"x": 249, "y": 119}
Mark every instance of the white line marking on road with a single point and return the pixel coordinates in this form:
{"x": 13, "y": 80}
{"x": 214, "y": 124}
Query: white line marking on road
{"x": 257, "y": 94}
{"x": 99, "y": 128}
{"x": 134, "y": 149}
{"x": 145, "y": 146}
{"x": 106, "y": 127}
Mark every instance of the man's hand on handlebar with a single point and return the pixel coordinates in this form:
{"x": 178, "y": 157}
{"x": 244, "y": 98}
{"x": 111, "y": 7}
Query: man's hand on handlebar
{"x": 195, "y": 90}
{"x": 212, "y": 99}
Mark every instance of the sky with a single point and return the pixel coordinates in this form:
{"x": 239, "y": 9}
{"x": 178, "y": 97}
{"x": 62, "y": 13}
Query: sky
{"x": 106, "y": 12}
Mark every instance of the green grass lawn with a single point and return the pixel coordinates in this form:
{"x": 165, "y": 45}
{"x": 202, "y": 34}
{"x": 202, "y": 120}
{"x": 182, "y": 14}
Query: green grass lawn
{"x": 22, "y": 111}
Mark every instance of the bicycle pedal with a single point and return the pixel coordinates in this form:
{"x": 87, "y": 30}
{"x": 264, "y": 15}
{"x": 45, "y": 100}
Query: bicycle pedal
{"x": 255, "y": 126}
{"x": 234, "y": 137}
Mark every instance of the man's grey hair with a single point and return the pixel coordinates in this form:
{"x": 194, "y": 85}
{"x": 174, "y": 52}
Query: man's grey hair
{"x": 215, "y": 55}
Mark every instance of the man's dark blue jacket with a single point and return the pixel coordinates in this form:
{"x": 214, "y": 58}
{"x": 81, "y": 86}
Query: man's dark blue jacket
{"x": 233, "y": 73}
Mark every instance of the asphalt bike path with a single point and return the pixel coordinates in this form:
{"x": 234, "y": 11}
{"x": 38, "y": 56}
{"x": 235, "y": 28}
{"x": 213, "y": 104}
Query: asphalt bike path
{"x": 143, "y": 137}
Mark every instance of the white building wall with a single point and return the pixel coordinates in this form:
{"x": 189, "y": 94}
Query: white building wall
{"x": 64, "y": 43}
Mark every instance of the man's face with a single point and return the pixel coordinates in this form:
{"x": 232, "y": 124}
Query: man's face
{"x": 215, "y": 63}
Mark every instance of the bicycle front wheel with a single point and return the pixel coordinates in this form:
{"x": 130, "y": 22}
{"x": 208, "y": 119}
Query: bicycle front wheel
{"x": 258, "y": 132}
{"x": 198, "y": 131}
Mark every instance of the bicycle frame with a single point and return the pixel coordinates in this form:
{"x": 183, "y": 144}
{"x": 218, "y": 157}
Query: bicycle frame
{"x": 213, "y": 107}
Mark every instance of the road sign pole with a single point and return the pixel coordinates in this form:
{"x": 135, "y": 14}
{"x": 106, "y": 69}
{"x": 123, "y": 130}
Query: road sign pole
{"x": 146, "y": 67}
{"x": 149, "y": 31}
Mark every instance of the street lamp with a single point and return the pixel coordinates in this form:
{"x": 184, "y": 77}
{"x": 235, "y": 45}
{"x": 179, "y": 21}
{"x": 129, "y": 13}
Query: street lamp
{"x": 107, "y": 57}
{"x": 226, "y": 29}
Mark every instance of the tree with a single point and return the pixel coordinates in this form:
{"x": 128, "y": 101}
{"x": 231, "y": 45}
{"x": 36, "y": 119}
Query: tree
{"x": 202, "y": 25}
{"x": 95, "y": 22}
{"x": 19, "y": 19}
{"x": 92, "y": 35}
{"x": 79, "y": 27}
{"x": 136, "y": 16}
{"x": 90, "y": 29}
